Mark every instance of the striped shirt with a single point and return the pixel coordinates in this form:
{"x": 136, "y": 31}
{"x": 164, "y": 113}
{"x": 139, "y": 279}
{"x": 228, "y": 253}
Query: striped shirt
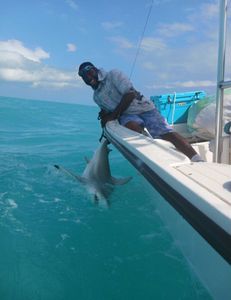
{"x": 113, "y": 85}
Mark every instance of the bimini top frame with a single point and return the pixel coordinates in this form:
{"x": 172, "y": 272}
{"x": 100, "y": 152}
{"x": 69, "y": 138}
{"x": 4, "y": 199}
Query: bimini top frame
{"x": 221, "y": 83}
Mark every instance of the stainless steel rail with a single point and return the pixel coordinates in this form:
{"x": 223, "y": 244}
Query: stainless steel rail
{"x": 221, "y": 83}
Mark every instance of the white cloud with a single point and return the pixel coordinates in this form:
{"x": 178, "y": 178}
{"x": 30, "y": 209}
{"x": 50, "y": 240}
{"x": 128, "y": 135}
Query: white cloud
{"x": 21, "y": 64}
{"x": 121, "y": 42}
{"x": 150, "y": 44}
{"x": 54, "y": 78}
{"x": 111, "y": 25}
{"x": 210, "y": 10}
{"x": 11, "y": 59}
{"x": 17, "y": 47}
{"x": 196, "y": 83}
{"x": 44, "y": 76}
{"x": 189, "y": 61}
{"x": 174, "y": 29}
{"x": 189, "y": 67}
{"x": 71, "y": 47}
{"x": 72, "y": 4}
{"x": 206, "y": 13}
{"x": 149, "y": 65}
{"x": 186, "y": 84}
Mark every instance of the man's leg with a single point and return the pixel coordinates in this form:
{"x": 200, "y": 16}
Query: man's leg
{"x": 175, "y": 138}
{"x": 180, "y": 143}
{"x": 134, "y": 126}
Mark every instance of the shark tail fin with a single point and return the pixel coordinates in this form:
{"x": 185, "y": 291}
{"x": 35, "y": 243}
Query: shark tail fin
{"x": 120, "y": 181}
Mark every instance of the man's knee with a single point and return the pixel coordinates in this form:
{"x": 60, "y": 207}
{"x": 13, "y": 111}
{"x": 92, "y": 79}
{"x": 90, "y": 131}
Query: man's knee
{"x": 134, "y": 126}
{"x": 172, "y": 136}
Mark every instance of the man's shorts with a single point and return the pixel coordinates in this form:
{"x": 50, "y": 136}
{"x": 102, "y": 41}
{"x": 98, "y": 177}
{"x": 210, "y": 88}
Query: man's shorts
{"x": 152, "y": 120}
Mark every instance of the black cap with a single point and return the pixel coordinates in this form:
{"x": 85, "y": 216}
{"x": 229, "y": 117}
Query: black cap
{"x": 84, "y": 64}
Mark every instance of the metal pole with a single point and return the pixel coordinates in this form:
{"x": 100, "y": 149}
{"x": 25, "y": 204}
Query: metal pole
{"x": 220, "y": 79}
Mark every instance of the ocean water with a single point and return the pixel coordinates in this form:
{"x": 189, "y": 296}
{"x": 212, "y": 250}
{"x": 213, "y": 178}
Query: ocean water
{"x": 56, "y": 243}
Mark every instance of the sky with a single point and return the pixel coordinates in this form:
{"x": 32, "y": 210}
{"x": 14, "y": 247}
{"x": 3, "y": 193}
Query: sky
{"x": 164, "y": 46}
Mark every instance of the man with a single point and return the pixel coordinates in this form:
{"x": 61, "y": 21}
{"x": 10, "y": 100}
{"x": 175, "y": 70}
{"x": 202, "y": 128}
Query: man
{"x": 117, "y": 98}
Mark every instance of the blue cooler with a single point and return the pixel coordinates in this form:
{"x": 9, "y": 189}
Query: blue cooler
{"x": 174, "y": 107}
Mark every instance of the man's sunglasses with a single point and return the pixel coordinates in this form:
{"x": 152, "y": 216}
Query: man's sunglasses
{"x": 86, "y": 69}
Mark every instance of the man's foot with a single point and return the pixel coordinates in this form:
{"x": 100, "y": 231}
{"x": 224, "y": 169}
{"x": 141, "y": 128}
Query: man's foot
{"x": 197, "y": 158}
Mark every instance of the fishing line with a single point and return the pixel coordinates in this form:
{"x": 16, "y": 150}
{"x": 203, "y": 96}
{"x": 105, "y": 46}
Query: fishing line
{"x": 141, "y": 39}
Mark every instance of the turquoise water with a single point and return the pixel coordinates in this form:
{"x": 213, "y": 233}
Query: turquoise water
{"x": 55, "y": 242}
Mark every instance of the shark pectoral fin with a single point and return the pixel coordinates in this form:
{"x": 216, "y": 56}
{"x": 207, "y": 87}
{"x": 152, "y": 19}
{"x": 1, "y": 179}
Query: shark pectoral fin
{"x": 120, "y": 181}
{"x": 80, "y": 179}
{"x": 69, "y": 173}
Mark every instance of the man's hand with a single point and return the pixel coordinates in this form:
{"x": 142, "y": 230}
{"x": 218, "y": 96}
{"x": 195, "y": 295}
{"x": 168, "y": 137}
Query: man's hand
{"x": 106, "y": 117}
{"x": 101, "y": 114}
{"x": 121, "y": 107}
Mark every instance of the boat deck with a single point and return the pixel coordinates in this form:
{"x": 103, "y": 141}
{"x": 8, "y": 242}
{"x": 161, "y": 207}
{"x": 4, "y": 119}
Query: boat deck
{"x": 215, "y": 178}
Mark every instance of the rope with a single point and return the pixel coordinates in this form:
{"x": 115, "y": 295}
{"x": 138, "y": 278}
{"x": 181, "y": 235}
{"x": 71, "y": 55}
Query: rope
{"x": 141, "y": 39}
{"x": 173, "y": 108}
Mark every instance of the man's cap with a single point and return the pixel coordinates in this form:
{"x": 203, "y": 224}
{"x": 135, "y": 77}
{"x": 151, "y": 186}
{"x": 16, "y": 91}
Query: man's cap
{"x": 84, "y": 64}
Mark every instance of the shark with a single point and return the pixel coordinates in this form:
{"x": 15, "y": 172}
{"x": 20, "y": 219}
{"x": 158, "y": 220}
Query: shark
{"x": 97, "y": 174}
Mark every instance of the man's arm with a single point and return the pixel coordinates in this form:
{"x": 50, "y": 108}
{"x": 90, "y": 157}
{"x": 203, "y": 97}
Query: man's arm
{"x": 121, "y": 107}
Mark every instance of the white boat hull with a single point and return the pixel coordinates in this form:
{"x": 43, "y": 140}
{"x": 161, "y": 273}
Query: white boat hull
{"x": 198, "y": 192}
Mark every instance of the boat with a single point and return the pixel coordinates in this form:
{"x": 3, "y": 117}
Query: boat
{"x": 196, "y": 203}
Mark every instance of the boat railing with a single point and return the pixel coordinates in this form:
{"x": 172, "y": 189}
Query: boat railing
{"x": 221, "y": 83}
